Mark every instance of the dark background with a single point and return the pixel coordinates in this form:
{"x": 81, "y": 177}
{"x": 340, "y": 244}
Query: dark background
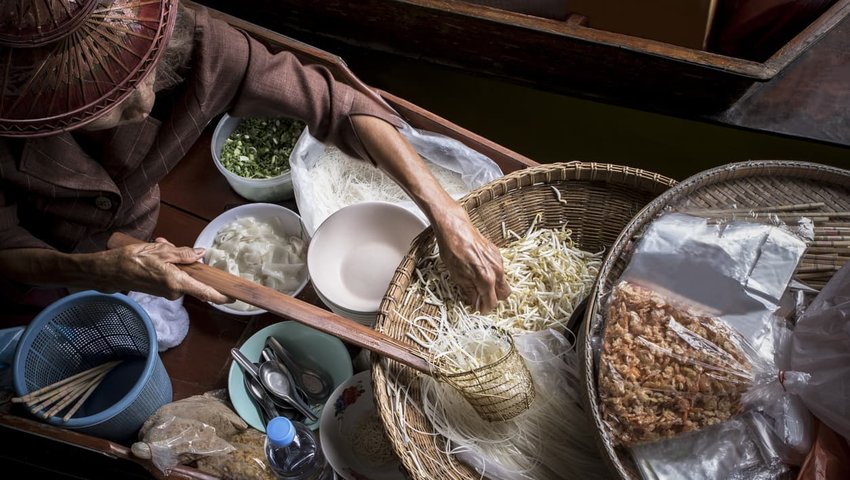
{"x": 549, "y": 127}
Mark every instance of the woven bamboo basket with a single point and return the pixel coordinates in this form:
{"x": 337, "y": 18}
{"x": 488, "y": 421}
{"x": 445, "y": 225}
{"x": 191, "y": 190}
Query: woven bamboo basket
{"x": 597, "y": 201}
{"x": 781, "y": 187}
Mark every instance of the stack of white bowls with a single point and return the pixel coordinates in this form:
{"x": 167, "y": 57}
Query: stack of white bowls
{"x": 354, "y": 253}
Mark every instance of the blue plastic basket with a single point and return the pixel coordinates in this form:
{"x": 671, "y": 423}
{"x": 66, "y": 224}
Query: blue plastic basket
{"x": 85, "y": 330}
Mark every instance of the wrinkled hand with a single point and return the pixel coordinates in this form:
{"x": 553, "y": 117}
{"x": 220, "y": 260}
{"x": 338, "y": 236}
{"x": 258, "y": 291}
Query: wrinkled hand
{"x": 151, "y": 268}
{"x": 474, "y": 262}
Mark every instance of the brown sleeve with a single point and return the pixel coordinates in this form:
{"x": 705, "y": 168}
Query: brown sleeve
{"x": 12, "y": 235}
{"x": 278, "y": 84}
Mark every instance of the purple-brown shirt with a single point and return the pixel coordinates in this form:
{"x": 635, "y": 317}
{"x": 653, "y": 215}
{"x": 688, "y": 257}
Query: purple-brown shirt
{"x": 56, "y": 192}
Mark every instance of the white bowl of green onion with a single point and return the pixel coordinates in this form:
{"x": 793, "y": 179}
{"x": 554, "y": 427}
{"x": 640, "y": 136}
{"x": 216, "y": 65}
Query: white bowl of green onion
{"x": 253, "y": 155}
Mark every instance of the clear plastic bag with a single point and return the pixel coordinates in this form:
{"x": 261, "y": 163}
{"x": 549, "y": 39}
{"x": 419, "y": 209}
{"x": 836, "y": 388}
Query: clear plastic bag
{"x": 695, "y": 338}
{"x": 740, "y": 449}
{"x": 690, "y": 329}
{"x": 246, "y": 462}
{"x": 186, "y": 430}
{"x": 441, "y": 154}
{"x": 180, "y": 441}
{"x": 820, "y": 346}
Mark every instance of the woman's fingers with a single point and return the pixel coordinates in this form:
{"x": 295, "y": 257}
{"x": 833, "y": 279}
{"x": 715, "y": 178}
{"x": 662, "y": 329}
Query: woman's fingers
{"x": 487, "y": 300}
{"x": 476, "y": 266}
{"x": 165, "y": 251}
{"x": 154, "y": 270}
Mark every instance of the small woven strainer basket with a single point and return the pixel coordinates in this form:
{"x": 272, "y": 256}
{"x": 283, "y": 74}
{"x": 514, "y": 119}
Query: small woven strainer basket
{"x": 596, "y": 201}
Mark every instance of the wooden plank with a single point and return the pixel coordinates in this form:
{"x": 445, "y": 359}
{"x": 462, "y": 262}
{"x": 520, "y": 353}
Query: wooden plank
{"x": 564, "y": 57}
{"x": 89, "y": 444}
{"x": 810, "y": 99}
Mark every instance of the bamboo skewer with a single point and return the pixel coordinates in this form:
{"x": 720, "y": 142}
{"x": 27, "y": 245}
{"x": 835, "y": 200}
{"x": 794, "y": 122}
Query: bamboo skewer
{"x": 85, "y": 397}
{"x": 52, "y": 399}
{"x": 831, "y": 243}
{"x": 85, "y": 373}
{"x": 66, "y": 400}
{"x": 52, "y": 396}
{"x": 777, "y": 208}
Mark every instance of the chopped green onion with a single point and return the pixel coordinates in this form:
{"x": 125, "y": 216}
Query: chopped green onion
{"x": 260, "y": 147}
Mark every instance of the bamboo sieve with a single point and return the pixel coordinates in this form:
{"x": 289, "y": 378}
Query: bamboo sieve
{"x": 497, "y": 391}
{"x": 789, "y": 189}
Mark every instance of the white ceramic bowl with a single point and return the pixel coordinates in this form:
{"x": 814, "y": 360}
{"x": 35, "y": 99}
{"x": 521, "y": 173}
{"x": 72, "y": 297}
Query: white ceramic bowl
{"x": 365, "y": 318}
{"x": 290, "y": 224}
{"x": 355, "y": 252}
{"x": 351, "y": 433}
{"x": 273, "y": 189}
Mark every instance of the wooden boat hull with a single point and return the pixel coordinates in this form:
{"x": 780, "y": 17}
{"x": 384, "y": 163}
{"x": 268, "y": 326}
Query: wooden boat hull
{"x": 559, "y": 56}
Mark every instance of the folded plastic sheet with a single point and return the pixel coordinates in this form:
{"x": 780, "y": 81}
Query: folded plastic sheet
{"x": 741, "y": 448}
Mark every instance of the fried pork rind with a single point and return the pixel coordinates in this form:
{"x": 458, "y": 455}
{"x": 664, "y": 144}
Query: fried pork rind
{"x": 666, "y": 370}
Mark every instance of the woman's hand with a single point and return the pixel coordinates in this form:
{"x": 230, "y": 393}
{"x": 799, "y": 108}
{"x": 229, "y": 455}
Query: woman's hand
{"x": 152, "y": 268}
{"x": 143, "y": 267}
{"x": 474, "y": 262}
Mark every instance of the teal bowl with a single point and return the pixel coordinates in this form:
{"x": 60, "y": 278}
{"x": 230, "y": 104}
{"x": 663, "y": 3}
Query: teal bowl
{"x": 302, "y": 342}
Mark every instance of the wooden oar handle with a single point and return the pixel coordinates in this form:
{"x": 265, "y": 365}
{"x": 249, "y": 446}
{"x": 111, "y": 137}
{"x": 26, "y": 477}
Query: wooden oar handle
{"x": 294, "y": 309}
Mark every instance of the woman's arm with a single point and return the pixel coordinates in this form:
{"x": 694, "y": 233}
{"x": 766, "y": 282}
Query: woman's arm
{"x": 278, "y": 84}
{"x": 474, "y": 262}
{"x": 148, "y": 267}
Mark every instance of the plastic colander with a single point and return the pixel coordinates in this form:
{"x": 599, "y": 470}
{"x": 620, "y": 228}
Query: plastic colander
{"x": 85, "y": 330}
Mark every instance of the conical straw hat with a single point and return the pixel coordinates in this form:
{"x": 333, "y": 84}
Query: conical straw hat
{"x": 64, "y": 63}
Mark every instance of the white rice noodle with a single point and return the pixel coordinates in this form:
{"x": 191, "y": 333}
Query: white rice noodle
{"x": 339, "y": 180}
{"x": 261, "y": 252}
{"x": 551, "y": 440}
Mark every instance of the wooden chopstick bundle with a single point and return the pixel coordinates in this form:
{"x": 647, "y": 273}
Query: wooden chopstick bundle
{"x": 52, "y": 399}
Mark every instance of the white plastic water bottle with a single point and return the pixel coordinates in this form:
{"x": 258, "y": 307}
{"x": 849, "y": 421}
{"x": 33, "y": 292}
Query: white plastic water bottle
{"x": 294, "y": 453}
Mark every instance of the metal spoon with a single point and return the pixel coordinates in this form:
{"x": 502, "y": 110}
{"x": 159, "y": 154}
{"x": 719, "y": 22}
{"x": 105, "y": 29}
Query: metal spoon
{"x": 254, "y": 387}
{"x": 315, "y": 383}
{"x": 278, "y": 385}
{"x": 264, "y": 404}
{"x": 269, "y": 356}
{"x": 285, "y": 408}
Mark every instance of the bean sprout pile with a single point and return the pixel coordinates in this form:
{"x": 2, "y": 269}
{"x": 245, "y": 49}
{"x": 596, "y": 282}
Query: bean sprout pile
{"x": 548, "y": 274}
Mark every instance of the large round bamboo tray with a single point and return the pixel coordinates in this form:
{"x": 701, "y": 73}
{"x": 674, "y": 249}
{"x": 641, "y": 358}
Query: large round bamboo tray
{"x": 597, "y": 201}
{"x": 778, "y": 185}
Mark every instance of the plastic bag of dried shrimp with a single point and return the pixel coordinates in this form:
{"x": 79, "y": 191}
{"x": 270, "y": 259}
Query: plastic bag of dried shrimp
{"x": 692, "y": 340}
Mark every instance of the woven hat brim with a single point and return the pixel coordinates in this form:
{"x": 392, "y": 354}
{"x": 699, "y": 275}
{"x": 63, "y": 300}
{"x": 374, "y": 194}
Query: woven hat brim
{"x": 77, "y": 79}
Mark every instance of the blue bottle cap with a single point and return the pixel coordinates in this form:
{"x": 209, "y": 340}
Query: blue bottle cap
{"x": 280, "y": 431}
